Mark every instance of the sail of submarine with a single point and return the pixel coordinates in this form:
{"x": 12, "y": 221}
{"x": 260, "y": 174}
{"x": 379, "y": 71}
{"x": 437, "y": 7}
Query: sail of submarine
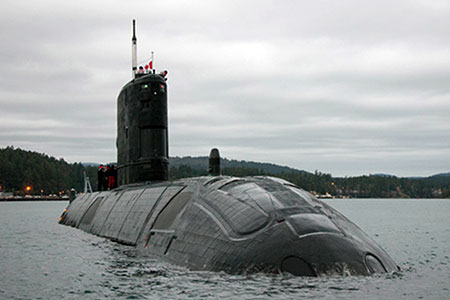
{"x": 216, "y": 223}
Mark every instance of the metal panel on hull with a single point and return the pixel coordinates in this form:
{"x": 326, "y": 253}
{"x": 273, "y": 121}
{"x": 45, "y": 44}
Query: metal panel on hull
{"x": 162, "y": 234}
{"x": 88, "y": 217}
{"x": 202, "y": 242}
{"x": 242, "y": 218}
{"x": 139, "y": 214}
{"x": 165, "y": 198}
{"x": 117, "y": 217}
{"x": 195, "y": 233}
{"x": 103, "y": 212}
{"x": 286, "y": 196}
{"x": 169, "y": 213}
{"x": 78, "y": 208}
{"x": 312, "y": 223}
{"x": 255, "y": 196}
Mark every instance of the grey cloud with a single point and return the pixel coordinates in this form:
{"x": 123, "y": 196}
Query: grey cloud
{"x": 345, "y": 87}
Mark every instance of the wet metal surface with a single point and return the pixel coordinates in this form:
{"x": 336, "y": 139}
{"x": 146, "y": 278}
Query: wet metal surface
{"x": 236, "y": 225}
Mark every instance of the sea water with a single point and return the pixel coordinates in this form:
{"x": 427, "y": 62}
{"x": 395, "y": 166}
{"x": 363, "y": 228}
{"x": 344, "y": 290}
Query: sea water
{"x": 40, "y": 259}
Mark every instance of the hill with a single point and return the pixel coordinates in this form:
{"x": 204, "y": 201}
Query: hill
{"x": 43, "y": 174}
{"x": 20, "y": 168}
{"x": 201, "y": 162}
{"x": 376, "y": 185}
{"x": 441, "y": 175}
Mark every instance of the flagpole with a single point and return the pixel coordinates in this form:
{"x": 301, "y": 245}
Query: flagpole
{"x": 153, "y": 62}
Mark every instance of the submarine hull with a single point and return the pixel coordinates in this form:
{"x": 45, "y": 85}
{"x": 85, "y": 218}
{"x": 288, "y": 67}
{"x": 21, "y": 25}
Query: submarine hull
{"x": 236, "y": 225}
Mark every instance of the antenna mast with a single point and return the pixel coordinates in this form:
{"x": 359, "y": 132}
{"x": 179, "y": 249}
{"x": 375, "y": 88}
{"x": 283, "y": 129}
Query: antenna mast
{"x": 134, "y": 51}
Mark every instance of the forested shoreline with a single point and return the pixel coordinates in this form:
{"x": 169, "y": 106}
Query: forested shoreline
{"x": 47, "y": 175}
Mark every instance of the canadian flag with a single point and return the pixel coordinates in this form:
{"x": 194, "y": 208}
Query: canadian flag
{"x": 151, "y": 65}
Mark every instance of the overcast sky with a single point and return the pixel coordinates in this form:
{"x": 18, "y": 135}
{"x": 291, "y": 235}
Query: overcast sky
{"x": 343, "y": 87}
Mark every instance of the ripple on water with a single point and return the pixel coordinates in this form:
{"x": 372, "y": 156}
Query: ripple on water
{"x": 41, "y": 259}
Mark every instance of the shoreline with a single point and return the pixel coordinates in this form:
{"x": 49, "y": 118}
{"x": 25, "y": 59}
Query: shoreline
{"x": 32, "y": 199}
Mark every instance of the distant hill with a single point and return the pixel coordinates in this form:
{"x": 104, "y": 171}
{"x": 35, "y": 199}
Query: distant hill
{"x": 376, "y": 185}
{"x": 441, "y": 175}
{"x": 20, "y": 168}
{"x": 40, "y": 172}
{"x": 382, "y": 175}
{"x": 202, "y": 162}
{"x": 90, "y": 164}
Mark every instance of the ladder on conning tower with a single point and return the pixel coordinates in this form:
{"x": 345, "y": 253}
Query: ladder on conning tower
{"x": 87, "y": 184}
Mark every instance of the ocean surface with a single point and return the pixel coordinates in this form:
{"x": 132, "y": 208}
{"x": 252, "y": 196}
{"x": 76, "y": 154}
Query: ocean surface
{"x": 40, "y": 259}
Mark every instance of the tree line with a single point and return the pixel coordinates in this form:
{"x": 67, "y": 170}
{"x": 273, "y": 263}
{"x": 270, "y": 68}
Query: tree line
{"x": 20, "y": 169}
{"x": 366, "y": 186}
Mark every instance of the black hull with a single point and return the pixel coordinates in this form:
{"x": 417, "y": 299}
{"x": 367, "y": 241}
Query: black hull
{"x": 236, "y": 225}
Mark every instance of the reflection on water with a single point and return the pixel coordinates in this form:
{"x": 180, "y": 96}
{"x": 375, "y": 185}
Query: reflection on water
{"x": 43, "y": 260}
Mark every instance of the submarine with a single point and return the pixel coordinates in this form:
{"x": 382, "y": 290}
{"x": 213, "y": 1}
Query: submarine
{"x": 214, "y": 223}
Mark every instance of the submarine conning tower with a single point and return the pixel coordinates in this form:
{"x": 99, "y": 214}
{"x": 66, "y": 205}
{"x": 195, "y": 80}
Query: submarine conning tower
{"x": 142, "y": 131}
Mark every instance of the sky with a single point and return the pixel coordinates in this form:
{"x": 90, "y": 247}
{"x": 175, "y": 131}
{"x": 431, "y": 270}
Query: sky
{"x": 347, "y": 87}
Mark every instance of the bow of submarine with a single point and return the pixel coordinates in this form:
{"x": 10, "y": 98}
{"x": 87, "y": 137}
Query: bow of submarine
{"x": 264, "y": 224}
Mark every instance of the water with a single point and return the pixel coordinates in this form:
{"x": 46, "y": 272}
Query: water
{"x": 40, "y": 259}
